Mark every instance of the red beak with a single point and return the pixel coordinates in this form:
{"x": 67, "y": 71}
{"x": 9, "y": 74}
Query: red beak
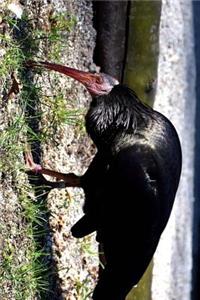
{"x": 83, "y": 77}
{"x": 96, "y": 84}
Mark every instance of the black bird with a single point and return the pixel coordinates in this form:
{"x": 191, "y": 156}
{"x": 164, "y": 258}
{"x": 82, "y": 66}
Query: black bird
{"x": 131, "y": 184}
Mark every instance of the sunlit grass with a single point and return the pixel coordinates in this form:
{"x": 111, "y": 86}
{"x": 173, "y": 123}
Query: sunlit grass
{"x": 24, "y": 267}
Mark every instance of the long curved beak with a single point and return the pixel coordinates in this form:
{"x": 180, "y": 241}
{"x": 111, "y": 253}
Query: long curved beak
{"x": 96, "y": 84}
{"x": 84, "y": 77}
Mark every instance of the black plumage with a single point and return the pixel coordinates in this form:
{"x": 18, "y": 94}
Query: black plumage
{"x": 131, "y": 184}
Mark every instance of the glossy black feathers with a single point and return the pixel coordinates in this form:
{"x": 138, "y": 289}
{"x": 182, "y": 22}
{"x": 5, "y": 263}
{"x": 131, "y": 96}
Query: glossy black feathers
{"x": 119, "y": 111}
{"x": 129, "y": 187}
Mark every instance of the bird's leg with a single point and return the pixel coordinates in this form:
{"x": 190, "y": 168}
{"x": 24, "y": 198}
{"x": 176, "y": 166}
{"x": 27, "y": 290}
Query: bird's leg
{"x": 68, "y": 180}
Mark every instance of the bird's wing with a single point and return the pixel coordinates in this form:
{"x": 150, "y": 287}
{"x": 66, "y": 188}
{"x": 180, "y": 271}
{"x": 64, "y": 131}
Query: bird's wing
{"x": 131, "y": 205}
{"x": 130, "y": 222}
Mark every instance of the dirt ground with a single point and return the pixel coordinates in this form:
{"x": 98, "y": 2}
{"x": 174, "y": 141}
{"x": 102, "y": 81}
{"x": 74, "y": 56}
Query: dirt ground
{"x": 65, "y": 148}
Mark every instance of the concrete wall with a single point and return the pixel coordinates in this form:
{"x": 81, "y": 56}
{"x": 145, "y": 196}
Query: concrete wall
{"x": 176, "y": 99}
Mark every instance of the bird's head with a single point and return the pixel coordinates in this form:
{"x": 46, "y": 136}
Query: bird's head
{"x": 96, "y": 83}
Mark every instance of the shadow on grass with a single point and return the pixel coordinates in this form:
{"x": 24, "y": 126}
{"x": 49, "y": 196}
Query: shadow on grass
{"x": 48, "y": 287}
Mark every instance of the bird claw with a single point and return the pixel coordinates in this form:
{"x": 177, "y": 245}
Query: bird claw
{"x": 68, "y": 180}
{"x": 30, "y": 164}
{"x": 32, "y": 167}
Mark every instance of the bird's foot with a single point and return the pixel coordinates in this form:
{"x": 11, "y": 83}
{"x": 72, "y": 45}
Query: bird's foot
{"x": 30, "y": 164}
{"x": 62, "y": 180}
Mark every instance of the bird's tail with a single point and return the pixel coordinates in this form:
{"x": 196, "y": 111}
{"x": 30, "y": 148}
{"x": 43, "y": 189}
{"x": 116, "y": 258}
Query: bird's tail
{"x": 84, "y": 226}
{"x": 114, "y": 283}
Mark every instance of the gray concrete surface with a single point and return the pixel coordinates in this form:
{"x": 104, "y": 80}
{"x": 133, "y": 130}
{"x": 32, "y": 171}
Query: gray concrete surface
{"x": 176, "y": 99}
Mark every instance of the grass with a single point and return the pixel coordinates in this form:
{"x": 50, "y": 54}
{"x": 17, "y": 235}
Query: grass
{"x": 22, "y": 271}
{"x": 24, "y": 261}
{"x": 24, "y": 278}
{"x": 83, "y": 292}
{"x": 58, "y": 114}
